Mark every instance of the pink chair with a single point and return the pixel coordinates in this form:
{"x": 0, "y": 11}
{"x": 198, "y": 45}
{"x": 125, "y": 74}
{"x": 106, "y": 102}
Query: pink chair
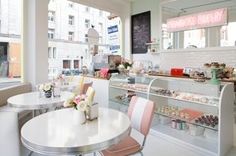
{"x": 140, "y": 113}
{"x": 85, "y": 87}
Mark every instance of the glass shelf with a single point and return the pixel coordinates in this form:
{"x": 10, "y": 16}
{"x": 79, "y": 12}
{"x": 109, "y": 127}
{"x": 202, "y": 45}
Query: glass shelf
{"x": 128, "y": 88}
{"x": 178, "y": 97}
{"x": 187, "y": 121}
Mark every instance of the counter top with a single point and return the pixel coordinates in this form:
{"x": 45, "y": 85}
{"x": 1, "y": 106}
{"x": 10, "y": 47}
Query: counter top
{"x": 91, "y": 76}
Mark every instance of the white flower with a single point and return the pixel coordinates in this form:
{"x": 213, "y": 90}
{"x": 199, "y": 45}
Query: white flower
{"x": 83, "y": 106}
{"x": 47, "y": 87}
{"x": 121, "y": 66}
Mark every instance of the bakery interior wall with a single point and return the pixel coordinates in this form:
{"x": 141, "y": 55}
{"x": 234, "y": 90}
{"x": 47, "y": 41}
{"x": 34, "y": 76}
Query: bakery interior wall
{"x": 180, "y": 57}
{"x": 139, "y": 6}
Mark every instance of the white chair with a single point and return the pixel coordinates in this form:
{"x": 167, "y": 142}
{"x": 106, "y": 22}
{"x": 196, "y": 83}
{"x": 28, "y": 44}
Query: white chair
{"x": 9, "y": 134}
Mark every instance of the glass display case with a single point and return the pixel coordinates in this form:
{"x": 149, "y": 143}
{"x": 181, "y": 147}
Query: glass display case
{"x": 197, "y": 115}
{"x": 123, "y": 87}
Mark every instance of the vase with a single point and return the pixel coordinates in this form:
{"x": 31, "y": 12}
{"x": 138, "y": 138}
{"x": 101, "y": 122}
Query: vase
{"x": 82, "y": 116}
{"x": 48, "y": 94}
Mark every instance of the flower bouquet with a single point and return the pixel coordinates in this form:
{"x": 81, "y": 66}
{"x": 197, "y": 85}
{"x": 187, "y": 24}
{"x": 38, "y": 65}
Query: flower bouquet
{"x": 81, "y": 104}
{"x": 84, "y": 103}
{"x": 47, "y": 88}
{"x": 125, "y": 66}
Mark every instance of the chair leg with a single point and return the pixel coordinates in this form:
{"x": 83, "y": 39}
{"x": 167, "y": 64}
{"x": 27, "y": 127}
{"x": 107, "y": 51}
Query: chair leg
{"x": 141, "y": 153}
{"x": 31, "y": 152}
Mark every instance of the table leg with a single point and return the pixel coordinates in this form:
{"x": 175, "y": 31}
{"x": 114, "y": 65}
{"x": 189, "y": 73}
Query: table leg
{"x": 34, "y": 113}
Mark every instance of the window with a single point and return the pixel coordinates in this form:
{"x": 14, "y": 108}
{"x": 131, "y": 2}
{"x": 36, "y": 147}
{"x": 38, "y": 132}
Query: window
{"x": 76, "y": 64}
{"x": 194, "y": 38}
{"x": 66, "y": 64}
{"x": 49, "y": 52}
{"x": 71, "y": 36}
{"x": 86, "y": 38}
{"x": 100, "y": 27}
{"x": 167, "y": 38}
{"x": 10, "y": 39}
{"x": 71, "y": 20}
{"x": 100, "y": 12}
{"x": 87, "y": 9}
{"x": 228, "y": 37}
{"x": 51, "y": 16}
{"x": 87, "y": 23}
{"x": 100, "y": 39}
{"x": 51, "y": 33}
{"x": 70, "y": 5}
{"x": 54, "y": 54}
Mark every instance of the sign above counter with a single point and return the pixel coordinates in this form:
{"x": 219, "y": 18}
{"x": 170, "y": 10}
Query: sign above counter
{"x": 205, "y": 19}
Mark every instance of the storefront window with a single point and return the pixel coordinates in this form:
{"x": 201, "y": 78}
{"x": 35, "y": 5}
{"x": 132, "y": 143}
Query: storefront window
{"x": 194, "y": 38}
{"x": 228, "y": 37}
{"x": 68, "y": 37}
{"x": 10, "y": 37}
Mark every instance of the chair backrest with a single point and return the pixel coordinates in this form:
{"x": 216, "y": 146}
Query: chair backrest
{"x": 141, "y": 113}
{"x": 81, "y": 81}
{"x": 90, "y": 93}
{"x": 9, "y": 134}
{"x": 78, "y": 89}
{"x": 85, "y": 87}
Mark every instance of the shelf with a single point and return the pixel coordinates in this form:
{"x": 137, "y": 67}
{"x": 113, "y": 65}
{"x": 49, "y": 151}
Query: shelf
{"x": 126, "y": 88}
{"x": 119, "y": 101}
{"x": 154, "y": 43}
{"x": 182, "y": 138}
{"x": 153, "y": 53}
{"x": 184, "y": 100}
{"x": 187, "y": 121}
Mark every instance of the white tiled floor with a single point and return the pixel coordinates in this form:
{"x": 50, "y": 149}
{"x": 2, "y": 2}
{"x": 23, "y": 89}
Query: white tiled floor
{"x": 154, "y": 147}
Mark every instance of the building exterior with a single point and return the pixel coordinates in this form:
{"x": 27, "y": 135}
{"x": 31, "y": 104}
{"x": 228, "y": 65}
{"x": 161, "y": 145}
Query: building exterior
{"x": 68, "y": 24}
{"x": 10, "y": 38}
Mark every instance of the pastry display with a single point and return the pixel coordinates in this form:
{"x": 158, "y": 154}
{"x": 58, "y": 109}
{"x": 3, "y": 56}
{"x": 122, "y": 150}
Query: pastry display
{"x": 126, "y": 97}
{"x": 186, "y": 96}
{"x": 164, "y": 92}
{"x": 208, "y": 120}
{"x": 182, "y": 114}
{"x": 178, "y": 124}
{"x": 222, "y": 70}
{"x": 136, "y": 86}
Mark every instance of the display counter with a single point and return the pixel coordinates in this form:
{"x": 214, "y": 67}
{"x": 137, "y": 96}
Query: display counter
{"x": 198, "y": 116}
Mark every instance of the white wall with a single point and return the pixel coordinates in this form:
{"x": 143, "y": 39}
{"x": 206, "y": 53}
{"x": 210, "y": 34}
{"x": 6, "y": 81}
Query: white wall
{"x": 140, "y": 6}
{"x": 197, "y": 57}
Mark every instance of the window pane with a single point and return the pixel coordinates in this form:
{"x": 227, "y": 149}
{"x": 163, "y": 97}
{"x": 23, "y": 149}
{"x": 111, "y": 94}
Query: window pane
{"x": 68, "y": 36}
{"x": 228, "y": 37}
{"x": 194, "y": 38}
{"x": 10, "y": 36}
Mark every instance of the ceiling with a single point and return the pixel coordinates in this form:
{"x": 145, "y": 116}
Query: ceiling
{"x": 196, "y": 5}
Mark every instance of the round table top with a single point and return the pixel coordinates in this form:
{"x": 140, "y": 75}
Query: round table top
{"x": 60, "y": 132}
{"x": 32, "y": 100}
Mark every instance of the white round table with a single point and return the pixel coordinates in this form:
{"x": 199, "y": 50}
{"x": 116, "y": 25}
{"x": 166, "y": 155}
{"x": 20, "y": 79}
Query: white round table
{"x": 32, "y": 100}
{"x": 60, "y": 132}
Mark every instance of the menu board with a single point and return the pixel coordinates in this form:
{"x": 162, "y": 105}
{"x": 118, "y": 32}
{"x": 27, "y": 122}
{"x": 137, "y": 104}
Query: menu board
{"x": 140, "y": 31}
